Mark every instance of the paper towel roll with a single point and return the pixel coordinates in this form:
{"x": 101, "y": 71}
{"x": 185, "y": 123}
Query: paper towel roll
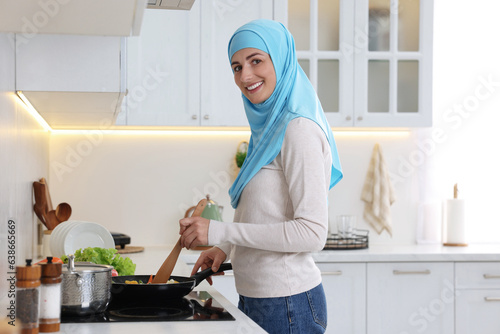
{"x": 455, "y": 221}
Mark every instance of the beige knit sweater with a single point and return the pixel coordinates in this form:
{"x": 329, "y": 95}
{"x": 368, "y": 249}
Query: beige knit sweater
{"x": 281, "y": 217}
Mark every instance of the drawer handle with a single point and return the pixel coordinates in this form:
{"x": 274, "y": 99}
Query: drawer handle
{"x": 402, "y": 272}
{"x": 492, "y": 299}
{"x": 487, "y": 276}
{"x": 332, "y": 273}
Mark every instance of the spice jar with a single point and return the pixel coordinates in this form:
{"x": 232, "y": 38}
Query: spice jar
{"x": 27, "y": 297}
{"x": 50, "y": 297}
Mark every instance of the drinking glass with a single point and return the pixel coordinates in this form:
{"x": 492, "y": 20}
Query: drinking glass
{"x": 346, "y": 226}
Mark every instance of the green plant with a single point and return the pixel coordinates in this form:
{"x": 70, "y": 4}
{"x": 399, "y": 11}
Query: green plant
{"x": 240, "y": 158}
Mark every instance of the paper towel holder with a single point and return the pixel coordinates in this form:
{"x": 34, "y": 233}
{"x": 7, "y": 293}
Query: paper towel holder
{"x": 454, "y": 244}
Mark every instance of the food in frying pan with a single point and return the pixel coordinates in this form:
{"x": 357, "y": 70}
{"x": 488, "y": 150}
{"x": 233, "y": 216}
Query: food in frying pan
{"x": 170, "y": 281}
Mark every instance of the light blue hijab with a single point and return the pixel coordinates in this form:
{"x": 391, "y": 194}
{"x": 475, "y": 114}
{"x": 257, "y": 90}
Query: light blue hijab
{"x": 292, "y": 97}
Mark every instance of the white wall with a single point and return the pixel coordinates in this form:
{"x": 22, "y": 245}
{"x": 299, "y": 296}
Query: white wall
{"x": 466, "y": 111}
{"x": 23, "y": 159}
{"x": 141, "y": 185}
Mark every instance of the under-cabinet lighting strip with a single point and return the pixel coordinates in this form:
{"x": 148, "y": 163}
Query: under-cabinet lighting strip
{"x": 33, "y": 112}
{"x": 235, "y": 131}
{"x": 228, "y": 132}
{"x": 152, "y": 132}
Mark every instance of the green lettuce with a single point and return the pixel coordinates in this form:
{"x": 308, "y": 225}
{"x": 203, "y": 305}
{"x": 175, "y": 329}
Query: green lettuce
{"x": 109, "y": 256}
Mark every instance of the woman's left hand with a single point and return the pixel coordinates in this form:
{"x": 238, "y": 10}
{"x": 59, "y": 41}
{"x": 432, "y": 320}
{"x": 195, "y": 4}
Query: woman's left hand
{"x": 194, "y": 231}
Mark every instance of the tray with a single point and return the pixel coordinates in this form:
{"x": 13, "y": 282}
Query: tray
{"x": 357, "y": 241}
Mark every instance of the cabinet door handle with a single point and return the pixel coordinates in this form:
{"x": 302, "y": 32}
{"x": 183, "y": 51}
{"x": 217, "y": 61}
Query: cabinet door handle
{"x": 332, "y": 273}
{"x": 488, "y": 276}
{"x": 492, "y": 299}
{"x": 402, "y": 272}
{"x": 194, "y": 116}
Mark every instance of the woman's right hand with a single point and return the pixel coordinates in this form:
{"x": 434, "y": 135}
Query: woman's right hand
{"x": 211, "y": 258}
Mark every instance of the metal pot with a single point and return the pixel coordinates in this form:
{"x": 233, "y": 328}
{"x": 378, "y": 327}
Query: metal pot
{"x": 85, "y": 287}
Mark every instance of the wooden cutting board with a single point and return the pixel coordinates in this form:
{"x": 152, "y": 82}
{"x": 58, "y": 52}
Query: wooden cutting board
{"x": 129, "y": 249}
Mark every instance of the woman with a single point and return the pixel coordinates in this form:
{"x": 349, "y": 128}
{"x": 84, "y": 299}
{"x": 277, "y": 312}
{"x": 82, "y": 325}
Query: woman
{"x": 280, "y": 194}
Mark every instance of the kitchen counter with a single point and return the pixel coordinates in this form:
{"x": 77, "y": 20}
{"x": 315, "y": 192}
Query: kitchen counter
{"x": 398, "y": 253}
{"x": 148, "y": 262}
{"x": 412, "y": 253}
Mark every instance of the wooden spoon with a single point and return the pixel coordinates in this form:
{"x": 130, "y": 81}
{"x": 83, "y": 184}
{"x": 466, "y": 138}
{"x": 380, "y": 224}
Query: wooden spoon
{"x": 63, "y": 212}
{"x": 51, "y": 220}
{"x": 168, "y": 265}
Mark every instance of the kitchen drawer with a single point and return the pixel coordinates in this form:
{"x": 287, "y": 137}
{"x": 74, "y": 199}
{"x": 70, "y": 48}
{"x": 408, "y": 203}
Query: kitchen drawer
{"x": 477, "y": 275}
{"x": 477, "y": 311}
{"x": 416, "y": 297}
{"x": 345, "y": 290}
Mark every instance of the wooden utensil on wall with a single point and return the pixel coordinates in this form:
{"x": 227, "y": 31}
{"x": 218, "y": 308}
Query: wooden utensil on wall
{"x": 47, "y": 195}
{"x": 40, "y": 206}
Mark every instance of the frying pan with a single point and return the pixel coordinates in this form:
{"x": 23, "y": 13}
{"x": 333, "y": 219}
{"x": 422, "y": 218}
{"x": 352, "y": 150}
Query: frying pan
{"x": 146, "y": 293}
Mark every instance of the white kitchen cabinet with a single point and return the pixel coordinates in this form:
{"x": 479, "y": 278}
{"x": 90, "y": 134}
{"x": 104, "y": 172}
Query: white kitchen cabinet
{"x": 163, "y": 70}
{"x": 345, "y": 290}
{"x": 79, "y": 17}
{"x": 409, "y": 298}
{"x": 477, "y": 298}
{"x": 221, "y": 102}
{"x": 225, "y": 285}
{"x": 222, "y": 283}
{"x": 369, "y": 60}
{"x": 477, "y": 311}
{"x": 72, "y": 80}
{"x": 187, "y": 50}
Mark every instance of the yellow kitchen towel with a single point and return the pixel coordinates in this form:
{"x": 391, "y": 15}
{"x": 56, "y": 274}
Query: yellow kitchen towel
{"x": 378, "y": 193}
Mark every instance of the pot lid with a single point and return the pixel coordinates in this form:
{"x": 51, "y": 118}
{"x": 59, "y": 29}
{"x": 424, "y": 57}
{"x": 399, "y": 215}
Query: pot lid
{"x": 84, "y": 267}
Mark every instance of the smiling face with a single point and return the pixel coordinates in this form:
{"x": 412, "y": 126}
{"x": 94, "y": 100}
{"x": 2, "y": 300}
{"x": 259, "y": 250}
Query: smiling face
{"x": 254, "y": 74}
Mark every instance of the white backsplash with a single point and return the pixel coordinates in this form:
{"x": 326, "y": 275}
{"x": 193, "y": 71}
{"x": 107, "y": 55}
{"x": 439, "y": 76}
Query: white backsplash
{"x": 23, "y": 159}
{"x": 141, "y": 185}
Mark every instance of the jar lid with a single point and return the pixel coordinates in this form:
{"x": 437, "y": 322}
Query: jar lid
{"x": 51, "y": 272}
{"x": 28, "y": 276}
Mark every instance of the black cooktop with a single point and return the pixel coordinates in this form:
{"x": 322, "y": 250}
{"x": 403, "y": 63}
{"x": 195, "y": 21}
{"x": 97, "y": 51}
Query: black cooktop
{"x": 196, "y": 306}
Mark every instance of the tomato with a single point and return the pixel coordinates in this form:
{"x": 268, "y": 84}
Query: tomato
{"x": 114, "y": 272}
{"x": 54, "y": 260}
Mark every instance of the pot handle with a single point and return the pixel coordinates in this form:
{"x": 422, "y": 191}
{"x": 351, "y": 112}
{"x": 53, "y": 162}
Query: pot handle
{"x": 71, "y": 263}
{"x": 201, "y": 275}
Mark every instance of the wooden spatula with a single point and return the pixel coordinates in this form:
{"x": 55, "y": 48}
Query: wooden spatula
{"x": 168, "y": 265}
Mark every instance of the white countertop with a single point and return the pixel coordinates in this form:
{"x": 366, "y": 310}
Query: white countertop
{"x": 412, "y": 253}
{"x": 151, "y": 259}
{"x": 148, "y": 263}
{"x": 398, "y": 253}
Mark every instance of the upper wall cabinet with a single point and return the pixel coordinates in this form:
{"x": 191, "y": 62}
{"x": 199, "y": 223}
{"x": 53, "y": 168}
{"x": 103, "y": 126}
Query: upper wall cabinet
{"x": 178, "y": 69}
{"x": 163, "y": 70}
{"x": 369, "y": 60}
{"x": 221, "y": 101}
{"x": 72, "y": 81}
{"x": 79, "y": 17}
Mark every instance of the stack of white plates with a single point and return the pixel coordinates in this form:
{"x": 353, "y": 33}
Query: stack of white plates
{"x": 70, "y": 236}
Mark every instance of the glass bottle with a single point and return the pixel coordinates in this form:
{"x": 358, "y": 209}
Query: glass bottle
{"x": 28, "y": 297}
{"x": 50, "y": 297}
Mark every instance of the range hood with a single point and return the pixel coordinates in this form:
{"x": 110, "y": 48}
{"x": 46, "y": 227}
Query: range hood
{"x": 170, "y": 4}
{"x": 76, "y": 17}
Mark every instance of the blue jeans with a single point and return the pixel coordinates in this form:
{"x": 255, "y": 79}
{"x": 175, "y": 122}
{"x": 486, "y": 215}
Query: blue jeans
{"x": 304, "y": 313}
